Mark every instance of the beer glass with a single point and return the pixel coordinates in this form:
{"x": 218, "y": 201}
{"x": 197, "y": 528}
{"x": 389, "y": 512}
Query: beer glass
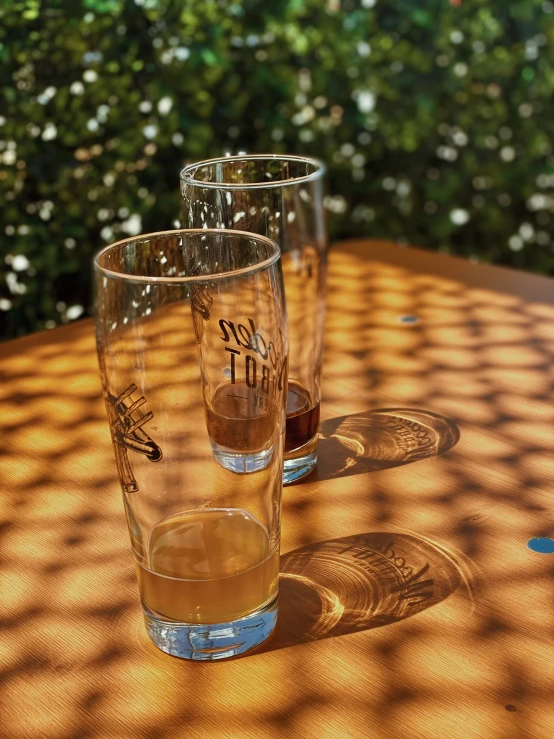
{"x": 279, "y": 197}
{"x": 192, "y": 346}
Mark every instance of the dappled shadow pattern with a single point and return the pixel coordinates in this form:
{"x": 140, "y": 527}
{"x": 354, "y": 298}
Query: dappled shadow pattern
{"x": 361, "y": 582}
{"x": 75, "y": 661}
{"x": 379, "y": 439}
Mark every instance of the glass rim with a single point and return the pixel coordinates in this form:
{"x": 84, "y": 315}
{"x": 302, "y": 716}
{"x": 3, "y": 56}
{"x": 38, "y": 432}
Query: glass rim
{"x": 190, "y": 279}
{"x": 187, "y": 173}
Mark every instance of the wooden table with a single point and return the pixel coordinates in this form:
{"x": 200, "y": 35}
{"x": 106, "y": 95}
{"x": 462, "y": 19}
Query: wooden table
{"x": 411, "y": 605}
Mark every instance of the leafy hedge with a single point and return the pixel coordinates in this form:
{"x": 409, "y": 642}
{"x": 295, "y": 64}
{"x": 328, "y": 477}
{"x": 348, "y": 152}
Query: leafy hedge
{"x": 436, "y": 121}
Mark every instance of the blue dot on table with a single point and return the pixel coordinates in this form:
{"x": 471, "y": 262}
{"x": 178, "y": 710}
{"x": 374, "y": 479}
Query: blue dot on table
{"x": 541, "y": 544}
{"x": 409, "y": 319}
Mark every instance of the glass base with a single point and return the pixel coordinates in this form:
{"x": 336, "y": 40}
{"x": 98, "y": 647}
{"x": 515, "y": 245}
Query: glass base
{"x": 211, "y": 641}
{"x": 242, "y": 464}
{"x": 296, "y": 469}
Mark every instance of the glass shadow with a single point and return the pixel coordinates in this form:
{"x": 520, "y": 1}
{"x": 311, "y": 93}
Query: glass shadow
{"x": 380, "y": 439}
{"x": 360, "y": 582}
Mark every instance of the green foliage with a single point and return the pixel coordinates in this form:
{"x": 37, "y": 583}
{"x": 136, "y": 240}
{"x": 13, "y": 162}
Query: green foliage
{"x": 436, "y": 121}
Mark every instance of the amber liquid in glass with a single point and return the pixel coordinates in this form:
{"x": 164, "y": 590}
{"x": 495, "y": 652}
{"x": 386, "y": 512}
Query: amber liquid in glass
{"x": 302, "y": 416}
{"x": 240, "y": 418}
{"x": 209, "y": 566}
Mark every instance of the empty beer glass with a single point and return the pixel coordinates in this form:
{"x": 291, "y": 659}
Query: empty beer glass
{"x": 192, "y": 346}
{"x": 280, "y": 197}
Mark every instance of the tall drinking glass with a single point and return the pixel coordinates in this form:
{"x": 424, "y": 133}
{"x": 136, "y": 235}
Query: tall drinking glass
{"x": 192, "y": 346}
{"x": 278, "y": 197}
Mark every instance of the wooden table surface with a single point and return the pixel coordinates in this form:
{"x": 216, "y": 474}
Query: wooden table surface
{"x": 411, "y": 605}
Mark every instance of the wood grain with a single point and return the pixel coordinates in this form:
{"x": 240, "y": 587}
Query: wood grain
{"x": 410, "y": 604}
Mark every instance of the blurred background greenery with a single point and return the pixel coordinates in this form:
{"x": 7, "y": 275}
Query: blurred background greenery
{"x": 435, "y": 118}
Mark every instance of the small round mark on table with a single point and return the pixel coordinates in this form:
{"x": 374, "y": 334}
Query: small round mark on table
{"x": 541, "y": 544}
{"x": 510, "y": 707}
{"x": 408, "y": 319}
